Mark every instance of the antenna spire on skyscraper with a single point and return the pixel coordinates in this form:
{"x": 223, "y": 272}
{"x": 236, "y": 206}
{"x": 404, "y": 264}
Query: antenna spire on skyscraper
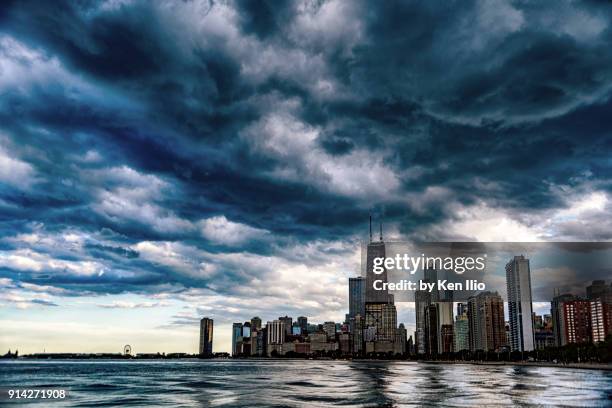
{"x": 381, "y": 237}
{"x": 370, "y": 227}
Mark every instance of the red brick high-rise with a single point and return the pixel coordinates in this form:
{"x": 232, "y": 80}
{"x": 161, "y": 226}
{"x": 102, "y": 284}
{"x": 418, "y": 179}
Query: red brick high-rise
{"x": 577, "y": 321}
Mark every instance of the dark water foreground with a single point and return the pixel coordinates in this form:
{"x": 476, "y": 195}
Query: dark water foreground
{"x": 306, "y": 383}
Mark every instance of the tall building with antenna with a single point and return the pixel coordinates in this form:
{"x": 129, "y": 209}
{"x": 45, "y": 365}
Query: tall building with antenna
{"x": 375, "y": 249}
{"x": 380, "y": 311}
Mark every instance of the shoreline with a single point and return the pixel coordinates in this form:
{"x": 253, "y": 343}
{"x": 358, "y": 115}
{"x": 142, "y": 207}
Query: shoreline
{"x": 585, "y": 366}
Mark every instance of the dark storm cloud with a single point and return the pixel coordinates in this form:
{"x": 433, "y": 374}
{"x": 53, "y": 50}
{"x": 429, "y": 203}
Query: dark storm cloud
{"x": 263, "y": 18}
{"x": 137, "y": 122}
{"x": 460, "y": 61}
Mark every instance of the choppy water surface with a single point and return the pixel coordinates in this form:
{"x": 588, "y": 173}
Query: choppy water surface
{"x": 298, "y": 383}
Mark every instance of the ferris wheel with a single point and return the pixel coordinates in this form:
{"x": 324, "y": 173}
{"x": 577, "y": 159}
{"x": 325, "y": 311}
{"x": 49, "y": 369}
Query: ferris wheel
{"x": 127, "y": 350}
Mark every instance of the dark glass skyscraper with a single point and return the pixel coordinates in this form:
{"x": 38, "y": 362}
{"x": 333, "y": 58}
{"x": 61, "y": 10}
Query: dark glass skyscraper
{"x": 206, "y": 337}
{"x": 422, "y": 300}
{"x": 236, "y": 338}
{"x": 356, "y": 297}
{"x": 303, "y": 323}
{"x": 431, "y": 329}
{"x": 558, "y": 318}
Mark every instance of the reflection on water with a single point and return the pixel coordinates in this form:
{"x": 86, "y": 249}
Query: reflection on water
{"x": 308, "y": 383}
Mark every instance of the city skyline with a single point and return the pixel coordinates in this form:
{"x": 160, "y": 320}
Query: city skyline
{"x": 479, "y": 325}
{"x": 484, "y": 323}
{"x": 165, "y": 161}
{"x": 543, "y": 308}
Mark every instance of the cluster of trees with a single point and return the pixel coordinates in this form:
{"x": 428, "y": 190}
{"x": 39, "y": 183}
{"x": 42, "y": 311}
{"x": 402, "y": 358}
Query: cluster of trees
{"x": 571, "y": 353}
{"x": 11, "y": 355}
{"x": 214, "y": 355}
{"x": 335, "y": 354}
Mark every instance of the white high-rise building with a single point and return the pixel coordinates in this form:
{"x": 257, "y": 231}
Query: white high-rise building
{"x": 276, "y": 332}
{"x": 518, "y": 281}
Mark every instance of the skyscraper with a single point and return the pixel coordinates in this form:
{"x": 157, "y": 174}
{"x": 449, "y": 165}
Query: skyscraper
{"x": 303, "y": 323}
{"x": 401, "y": 340}
{"x": 246, "y": 329}
{"x": 577, "y": 321}
{"x": 444, "y": 311}
{"x": 558, "y": 318}
{"x": 259, "y": 340}
{"x": 255, "y": 323}
{"x": 422, "y": 299}
{"x": 487, "y": 327}
{"x": 380, "y": 312}
{"x": 206, "y": 337}
{"x": 431, "y": 330}
{"x": 518, "y": 281}
{"x": 443, "y": 299}
{"x": 288, "y": 320}
{"x": 446, "y": 339}
{"x": 461, "y": 308}
{"x": 276, "y": 332}
{"x": 387, "y": 328}
{"x": 246, "y": 339}
{"x": 236, "y": 339}
{"x": 601, "y": 320}
{"x": 375, "y": 249}
{"x": 462, "y": 331}
{"x": 600, "y": 297}
{"x": 445, "y": 320}
{"x": 599, "y": 290}
{"x": 356, "y": 296}
{"x": 357, "y": 332}
{"x": 330, "y": 329}
{"x": 430, "y": 274}
{"x": 275, "y": 336}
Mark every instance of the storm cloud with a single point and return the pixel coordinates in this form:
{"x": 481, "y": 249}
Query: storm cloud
{"x": 232, "y": 148}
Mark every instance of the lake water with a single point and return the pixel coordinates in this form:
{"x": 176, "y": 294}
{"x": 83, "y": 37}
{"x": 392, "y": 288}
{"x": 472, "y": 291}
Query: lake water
{"x": 297, "y": 383}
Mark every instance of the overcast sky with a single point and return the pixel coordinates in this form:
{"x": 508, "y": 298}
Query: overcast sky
{"x": 164, "y": 161}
